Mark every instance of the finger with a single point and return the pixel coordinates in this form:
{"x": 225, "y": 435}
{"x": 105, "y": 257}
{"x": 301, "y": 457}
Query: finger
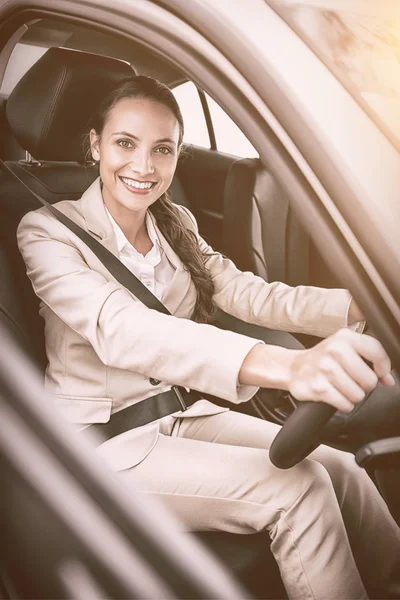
{"x": 388, "y": 380}
{"x": 342, "y": 380}
{"x": 332, "y": 396}
{"x": 371, "y": 349}
{"x": 366, "y": 347}
{"x": 356, "y": 368}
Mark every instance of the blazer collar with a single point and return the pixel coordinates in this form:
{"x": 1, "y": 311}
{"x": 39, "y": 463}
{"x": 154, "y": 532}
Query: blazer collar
{"x": 98, "y": 223}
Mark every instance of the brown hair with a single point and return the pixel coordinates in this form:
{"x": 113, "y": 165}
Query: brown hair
{"x": 169, "y": 218}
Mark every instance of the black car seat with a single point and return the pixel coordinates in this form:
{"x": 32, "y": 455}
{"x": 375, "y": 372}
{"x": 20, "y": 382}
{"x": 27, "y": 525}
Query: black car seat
{"x": 261, "y": 232}
{"x": 9, "y": 148}
{"x": 47, "y": 112}
{"x": 257, "y": 222}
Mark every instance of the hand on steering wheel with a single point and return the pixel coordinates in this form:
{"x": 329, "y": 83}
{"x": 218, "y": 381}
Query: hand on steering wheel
{"x": 334, "y": 375}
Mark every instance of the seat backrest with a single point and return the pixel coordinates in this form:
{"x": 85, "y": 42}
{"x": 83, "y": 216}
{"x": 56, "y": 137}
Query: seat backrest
{"x": 262, "y": 234}
{"x": 62, "y": 89}
{"x": 9, "y": 148}
{"x": 255, "y": 220}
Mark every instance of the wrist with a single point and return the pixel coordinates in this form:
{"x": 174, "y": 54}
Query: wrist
{"x": 268, "y": 366}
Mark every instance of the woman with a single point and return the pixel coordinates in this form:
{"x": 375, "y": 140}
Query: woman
{"x": 107, "y": 351}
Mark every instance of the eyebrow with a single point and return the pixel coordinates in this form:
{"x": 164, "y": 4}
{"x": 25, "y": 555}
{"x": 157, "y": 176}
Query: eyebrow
{"x": 135, "y": 137}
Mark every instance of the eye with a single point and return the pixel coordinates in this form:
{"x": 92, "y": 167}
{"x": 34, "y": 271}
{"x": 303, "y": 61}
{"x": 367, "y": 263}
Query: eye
{"x": 163, "y": 150}
{"x": 125, "y": 144}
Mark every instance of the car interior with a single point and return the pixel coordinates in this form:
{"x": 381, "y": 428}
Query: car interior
{"x": 239, "y": 206}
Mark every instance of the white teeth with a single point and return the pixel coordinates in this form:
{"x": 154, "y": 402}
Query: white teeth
{"x": 137, "y": 184}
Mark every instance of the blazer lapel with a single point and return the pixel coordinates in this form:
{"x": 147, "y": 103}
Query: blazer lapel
{"x": 178, "y": 297}
{"x": 170, "y": 253}
{"x": 97, "y": 221}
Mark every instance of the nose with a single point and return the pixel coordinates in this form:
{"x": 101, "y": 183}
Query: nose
{"x": 142, "y": 162}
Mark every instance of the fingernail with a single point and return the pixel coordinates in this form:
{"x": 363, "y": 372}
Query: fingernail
{"x": 388, "y": 380}
{"x": 391, "y": 380}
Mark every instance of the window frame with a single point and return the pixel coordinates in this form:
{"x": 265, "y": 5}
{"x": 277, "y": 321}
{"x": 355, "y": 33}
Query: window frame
{"x": 208, "y": 118}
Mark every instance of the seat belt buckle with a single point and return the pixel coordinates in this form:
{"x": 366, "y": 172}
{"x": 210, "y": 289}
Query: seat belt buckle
{"x": 178, "y": 394}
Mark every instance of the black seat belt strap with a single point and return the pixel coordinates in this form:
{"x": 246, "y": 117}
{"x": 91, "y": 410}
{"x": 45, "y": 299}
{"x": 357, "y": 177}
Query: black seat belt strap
{"x": 117, "y": 269}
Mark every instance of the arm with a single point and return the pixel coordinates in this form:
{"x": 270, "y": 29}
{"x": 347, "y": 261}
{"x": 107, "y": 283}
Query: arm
{"x": 333, "y": 371}
{"x": 303, "y": 309}
{"x": 122, "y": 331}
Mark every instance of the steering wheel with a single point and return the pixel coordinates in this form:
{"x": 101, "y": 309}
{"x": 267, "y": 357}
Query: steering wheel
{"x": 300, "y": 434}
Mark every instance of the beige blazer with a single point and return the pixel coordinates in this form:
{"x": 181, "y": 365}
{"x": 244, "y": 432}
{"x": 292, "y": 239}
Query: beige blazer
{"x": 103, "y": 344}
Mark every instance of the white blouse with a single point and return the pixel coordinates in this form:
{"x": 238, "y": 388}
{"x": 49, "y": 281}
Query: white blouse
{"x": 154, "y": 269}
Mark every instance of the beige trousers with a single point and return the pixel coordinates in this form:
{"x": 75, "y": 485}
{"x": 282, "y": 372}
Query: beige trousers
{"x": 332, "y": 534}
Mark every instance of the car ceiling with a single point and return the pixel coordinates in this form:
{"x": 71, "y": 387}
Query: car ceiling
{"x": 48, "y": 33}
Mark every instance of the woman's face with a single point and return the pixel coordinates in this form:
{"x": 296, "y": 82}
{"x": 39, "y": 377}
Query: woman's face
{"x": 138, "y": 151}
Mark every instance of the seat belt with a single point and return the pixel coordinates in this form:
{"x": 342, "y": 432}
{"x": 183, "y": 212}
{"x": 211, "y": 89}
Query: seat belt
{"x": 117, "y": 269}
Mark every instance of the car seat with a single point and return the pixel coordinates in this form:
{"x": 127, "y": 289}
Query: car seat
{"x": 9, "y": 148}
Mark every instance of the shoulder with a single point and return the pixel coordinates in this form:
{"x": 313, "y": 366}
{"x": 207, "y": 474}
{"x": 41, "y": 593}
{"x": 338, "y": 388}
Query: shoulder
{"x": 70, "y": 208}
{"x": 43, "y": 219}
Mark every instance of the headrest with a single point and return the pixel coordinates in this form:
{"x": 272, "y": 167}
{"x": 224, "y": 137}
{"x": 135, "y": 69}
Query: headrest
{"x": 51, "y": 106}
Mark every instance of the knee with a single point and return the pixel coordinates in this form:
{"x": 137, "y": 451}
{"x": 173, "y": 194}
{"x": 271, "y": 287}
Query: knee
{"x": 306, "y": 497}
{"x": 342, "y": 468}
{"x": 310, "y": 480}
{"x": 314, "y": 476}
{"x": 350, "y": 483}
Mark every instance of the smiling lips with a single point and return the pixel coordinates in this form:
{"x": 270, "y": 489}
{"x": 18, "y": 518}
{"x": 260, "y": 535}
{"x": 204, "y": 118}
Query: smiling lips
{"x": 141, "y": 187}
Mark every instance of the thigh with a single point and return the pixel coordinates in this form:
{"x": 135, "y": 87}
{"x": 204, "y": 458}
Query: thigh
{"x": 225, "y": 487}
{"x": 232, "y": 428}
{"x": 244, "y": 430}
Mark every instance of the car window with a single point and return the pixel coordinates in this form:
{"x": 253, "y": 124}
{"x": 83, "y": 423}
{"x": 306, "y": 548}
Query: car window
{"x": 360, "y": 42}
{"x": 21, "y": 60}
{"x": 229, "y": 138}
{"x": 196, "y": 131}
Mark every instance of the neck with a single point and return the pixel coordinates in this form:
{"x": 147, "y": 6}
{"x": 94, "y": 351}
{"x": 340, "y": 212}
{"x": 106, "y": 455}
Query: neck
{"x": 132, "y": 223}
